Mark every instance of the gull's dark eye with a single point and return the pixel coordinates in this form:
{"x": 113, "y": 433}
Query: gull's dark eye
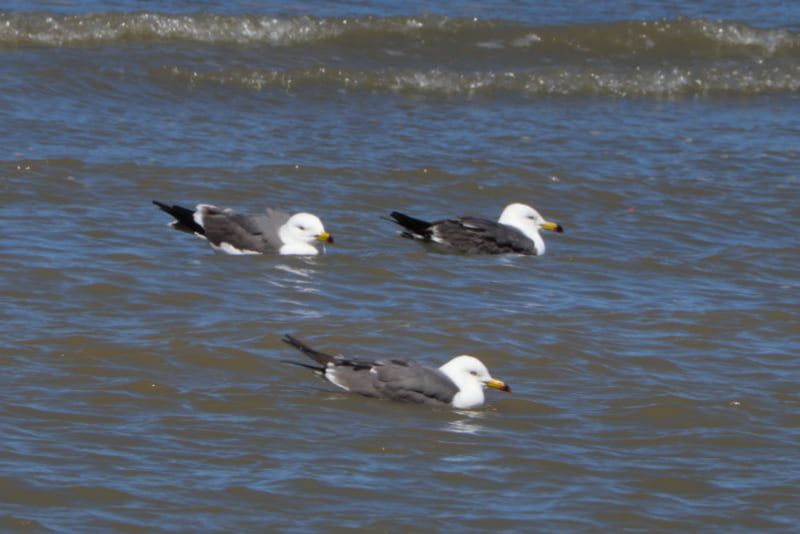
{"x": 473, "y": 373}
{"x": 301, "y": 227}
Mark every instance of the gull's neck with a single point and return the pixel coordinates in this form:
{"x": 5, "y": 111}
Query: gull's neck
{"x": 470, "y": 390}
{"x": 529, "y": 229}
{"x": 292, "y": 245}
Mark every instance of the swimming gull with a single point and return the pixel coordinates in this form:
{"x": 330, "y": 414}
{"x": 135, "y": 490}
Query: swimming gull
{"x": 516, "y": 232}
{"x": 226, "y": 230}
{"x": 459, "y": 383}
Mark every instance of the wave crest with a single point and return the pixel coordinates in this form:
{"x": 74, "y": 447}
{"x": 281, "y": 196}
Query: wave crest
{"x": 631, "y": 37}
{"x": 437, "y": 55}
{"x": 667, "y": 82}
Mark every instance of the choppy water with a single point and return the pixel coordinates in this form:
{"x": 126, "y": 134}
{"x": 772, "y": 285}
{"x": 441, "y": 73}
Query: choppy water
{"x": 652, "y": 351}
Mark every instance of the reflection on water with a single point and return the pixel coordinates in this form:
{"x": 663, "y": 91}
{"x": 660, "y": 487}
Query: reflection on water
{"x": 468, "y": 425}
{"x": 303, "y": 279}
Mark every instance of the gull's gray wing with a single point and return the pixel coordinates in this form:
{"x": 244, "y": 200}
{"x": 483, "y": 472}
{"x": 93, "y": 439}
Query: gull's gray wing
{"x": 398, "y": 379}
{"x": 410, "y": 381}
{"x": 256, "y": 233}
{"x": 474, "y": 235}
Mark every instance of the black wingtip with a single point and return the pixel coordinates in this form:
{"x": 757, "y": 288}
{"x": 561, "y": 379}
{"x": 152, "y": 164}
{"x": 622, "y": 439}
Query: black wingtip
{"x": 291, "y": 340}
{"x": 416, "y": 226}
{"x": 319, "y": 357}
{"x": 316, "y": 368}
{"x": 184, "y": 218}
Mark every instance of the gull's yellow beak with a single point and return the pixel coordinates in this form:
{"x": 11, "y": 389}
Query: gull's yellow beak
{"x": 325, "y": 237}
{"x": 553, "y": 227}
{"x": 499, "y": 384}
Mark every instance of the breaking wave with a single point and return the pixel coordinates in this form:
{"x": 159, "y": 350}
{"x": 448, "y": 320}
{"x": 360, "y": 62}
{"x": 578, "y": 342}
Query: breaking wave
{"x": 448, "y": 56}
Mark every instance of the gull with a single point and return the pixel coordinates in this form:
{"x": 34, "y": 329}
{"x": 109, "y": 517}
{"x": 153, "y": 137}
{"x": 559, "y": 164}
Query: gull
{"x": 516, "y": 232}
{"x": 459, "y": 383}
{"x": 275, "y": 231}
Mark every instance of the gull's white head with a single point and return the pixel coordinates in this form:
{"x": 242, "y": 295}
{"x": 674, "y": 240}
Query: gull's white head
{"x": 471, "y": 376}
{"x": 300, "y": 232}
{"x": 528, "y": 221}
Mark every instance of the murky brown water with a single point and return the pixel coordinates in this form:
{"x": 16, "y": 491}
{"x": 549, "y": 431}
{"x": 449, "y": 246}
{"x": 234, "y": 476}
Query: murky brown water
{"x": 652, "y": 350}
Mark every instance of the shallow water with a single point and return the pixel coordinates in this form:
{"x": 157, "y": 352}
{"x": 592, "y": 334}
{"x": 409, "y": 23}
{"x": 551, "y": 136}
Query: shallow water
{"x": 651, "y": 351}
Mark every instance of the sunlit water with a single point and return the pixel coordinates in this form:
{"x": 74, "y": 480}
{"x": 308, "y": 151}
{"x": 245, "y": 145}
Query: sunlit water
{"x": 651, "y": 351}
